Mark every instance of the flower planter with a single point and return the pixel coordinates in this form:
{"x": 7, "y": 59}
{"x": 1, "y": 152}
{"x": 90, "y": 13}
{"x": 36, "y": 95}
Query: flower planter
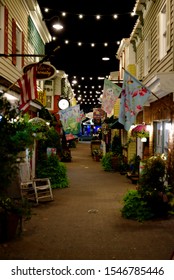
{"x": 115, "y": 163}
{"x": 9, "y": 223}
{"x": 97, "y": 158}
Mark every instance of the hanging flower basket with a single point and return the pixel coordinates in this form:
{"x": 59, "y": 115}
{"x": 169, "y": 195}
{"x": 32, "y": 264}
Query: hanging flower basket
{"x": 140, "y": 131}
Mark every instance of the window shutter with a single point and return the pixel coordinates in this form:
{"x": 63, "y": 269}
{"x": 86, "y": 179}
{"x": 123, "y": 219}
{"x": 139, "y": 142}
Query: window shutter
{"x": 144, "y": 56}
{"x": 142, "y": 67}
{"x": 149, "y": 51}
{"x": 158, "y": 37}
{"x": 23, "y": 41}
{"x": 168, "y": 23}
{"x": 5, "y": 30}
{"x": 13, "y": 41}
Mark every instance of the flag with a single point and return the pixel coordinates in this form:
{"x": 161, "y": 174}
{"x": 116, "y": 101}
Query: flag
{"x": 98, "y": 115}
{"x": 133, "y": 96}
{"x": 111, "y": 93}
{"x": 28, "y": 86}
{"x": 70, "y": 119}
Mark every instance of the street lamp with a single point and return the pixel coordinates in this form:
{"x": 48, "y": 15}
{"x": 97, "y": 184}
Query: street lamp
{"x": 56, "y": 25}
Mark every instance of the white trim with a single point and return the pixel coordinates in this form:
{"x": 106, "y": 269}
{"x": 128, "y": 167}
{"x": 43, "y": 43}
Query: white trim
{"x": 35, "y": 105}
{"x": 34, "y": 11}
{"x": 161, "y": 85}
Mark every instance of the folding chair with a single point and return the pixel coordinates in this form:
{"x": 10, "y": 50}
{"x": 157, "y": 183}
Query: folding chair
{"x": 42, "y": 189}
{"x": 31, "y": 188}
{"x": 26, "y": 184}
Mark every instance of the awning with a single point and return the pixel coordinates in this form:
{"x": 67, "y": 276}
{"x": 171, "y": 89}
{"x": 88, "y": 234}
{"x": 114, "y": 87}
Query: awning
{"x": 113, "y": 123}
{"x": 116, "y": 125}
{"x": 161, "y": 84}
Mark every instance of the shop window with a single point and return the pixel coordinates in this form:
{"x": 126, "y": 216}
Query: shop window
{"x": 3, "y": 29}
{"x": 161, "y": 137}
{"x": 147, "y": 54}
{"x": 49, "y": 102}
{"x": 163, "y": 30}
{"x": 18, "y": 47}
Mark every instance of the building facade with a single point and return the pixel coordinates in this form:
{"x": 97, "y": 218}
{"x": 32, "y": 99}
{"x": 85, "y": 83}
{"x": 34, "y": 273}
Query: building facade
{"x": 152, "y": 61}
{"x": 23, "y": 36}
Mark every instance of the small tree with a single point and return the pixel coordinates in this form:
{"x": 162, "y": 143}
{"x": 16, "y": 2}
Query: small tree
{"x": 152, "y": 185}
{"x": 116, "y": 146}
{"x": 153, "y": 197}
{"x": 16, "y": 134}
{"x": 54, "y": 169}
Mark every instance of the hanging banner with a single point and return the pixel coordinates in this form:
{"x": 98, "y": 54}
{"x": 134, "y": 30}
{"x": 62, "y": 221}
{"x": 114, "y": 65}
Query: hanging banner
{"x": 71, "y": 119}
{"x": 98, "y": 115}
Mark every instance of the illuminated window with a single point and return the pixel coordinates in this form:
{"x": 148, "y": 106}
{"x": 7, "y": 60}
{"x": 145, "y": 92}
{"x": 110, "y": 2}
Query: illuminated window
{"x": 163, "y": 30}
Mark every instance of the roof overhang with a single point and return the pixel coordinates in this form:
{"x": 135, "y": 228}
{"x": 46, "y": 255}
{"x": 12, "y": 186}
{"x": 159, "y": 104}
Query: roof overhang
{"x": 116, "y": 125}
{"x": 161, "y": 85}
{"x": 32, "y": 105}
{"x": 139, "y": 5}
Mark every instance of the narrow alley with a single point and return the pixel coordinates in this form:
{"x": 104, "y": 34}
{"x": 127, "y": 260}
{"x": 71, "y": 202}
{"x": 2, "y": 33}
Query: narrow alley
{"x": 84, "y": 221}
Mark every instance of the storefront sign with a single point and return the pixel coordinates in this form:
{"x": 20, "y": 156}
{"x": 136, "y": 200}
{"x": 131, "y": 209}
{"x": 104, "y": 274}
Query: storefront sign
{"x": 45, "y": 71}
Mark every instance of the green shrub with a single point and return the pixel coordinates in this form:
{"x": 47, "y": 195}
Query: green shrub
{"x": 152, "y": 179}
{"x": 53, "y": 169}
{"x": 106, "y": 161}
{"x": 153, "y": 197}
{"x": 135, "y": 207}
{"x": 116, "y": 146}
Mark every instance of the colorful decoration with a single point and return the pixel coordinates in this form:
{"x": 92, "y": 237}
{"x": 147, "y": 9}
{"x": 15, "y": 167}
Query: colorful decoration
{"x": 71, "y": 119}
{"x": 133, "y": 97}
{"x": 111, "y": 93}
{"x": 140, "y": 131}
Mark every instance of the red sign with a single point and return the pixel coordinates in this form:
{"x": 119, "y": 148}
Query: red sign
{"x": 45, "y": 71}
{"x": 69, "y": 137}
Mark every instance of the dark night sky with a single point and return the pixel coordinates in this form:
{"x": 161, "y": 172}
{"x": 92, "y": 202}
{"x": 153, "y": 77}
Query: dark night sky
{"x": 85, "y": 60}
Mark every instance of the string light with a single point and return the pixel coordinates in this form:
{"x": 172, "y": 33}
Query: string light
{"x": 80, "y": 16}
{"x": 106, "y": 44}
{"x": 98, "y": 17}
{"x": 87, "y": 97}
{"x": 115, "y": 16}
{"x": 91, "y": 94}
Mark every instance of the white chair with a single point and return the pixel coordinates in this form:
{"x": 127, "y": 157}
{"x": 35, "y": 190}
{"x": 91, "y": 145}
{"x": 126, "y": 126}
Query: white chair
{"x": 42, "y": 189}
{"x": 33, "y": 188}
{"x": 26, "y": 184}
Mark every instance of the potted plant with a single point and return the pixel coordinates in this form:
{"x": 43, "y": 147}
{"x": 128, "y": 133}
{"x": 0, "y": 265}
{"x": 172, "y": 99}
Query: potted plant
{"x": 133, "y": 173}
{"x": 123, "y": 167}
{"x": 116, "y": 149}
{"x": 97, "y": 154}
{"x": 106, "y": 161}
{"x": 153, "y": 185}
{"x": 65, "y": 154}
{"x": 12, "y": 213}
{"x": 153, "y": 197}
{"x": 16, "y": 134}
{"x": 140, "y": 131}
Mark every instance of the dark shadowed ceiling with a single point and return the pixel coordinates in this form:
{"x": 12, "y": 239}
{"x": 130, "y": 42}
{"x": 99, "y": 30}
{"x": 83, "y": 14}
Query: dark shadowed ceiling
{"x": 85, "y": 60}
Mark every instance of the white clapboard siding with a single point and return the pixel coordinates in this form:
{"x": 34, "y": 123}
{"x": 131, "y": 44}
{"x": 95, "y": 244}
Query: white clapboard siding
{"x": 19, "y": 11}
{"x": 151, "y": 25}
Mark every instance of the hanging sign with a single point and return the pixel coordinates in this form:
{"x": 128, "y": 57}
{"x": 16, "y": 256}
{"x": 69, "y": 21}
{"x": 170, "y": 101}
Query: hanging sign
{"x": 45, "y": 71}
